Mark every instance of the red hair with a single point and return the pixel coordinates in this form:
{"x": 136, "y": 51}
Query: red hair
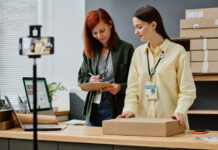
{"x": 92, "y": 19}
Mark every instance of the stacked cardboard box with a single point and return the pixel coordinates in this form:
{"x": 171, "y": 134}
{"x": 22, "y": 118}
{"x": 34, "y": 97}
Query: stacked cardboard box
{"x": 201, "y": 27}
{"x": 204, "y": 55}
{"x": 200, "y": 23}
{"x": 6, "y": 121}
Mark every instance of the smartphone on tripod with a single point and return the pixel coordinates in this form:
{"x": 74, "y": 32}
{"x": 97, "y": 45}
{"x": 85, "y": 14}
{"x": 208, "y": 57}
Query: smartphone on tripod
{"x": 36, "y": 45}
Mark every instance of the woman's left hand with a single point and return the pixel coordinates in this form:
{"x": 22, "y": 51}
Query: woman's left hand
{"x": 180, "y": 117}
{"x": 114, "y": 89}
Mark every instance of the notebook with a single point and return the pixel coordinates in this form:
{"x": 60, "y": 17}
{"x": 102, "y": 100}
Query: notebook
{"x": 40, "y": 127}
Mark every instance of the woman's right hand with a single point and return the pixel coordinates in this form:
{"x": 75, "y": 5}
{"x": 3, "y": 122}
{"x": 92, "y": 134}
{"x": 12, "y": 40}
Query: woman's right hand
{"x": 126, "y": 114}
{"x": 95, "y": 79}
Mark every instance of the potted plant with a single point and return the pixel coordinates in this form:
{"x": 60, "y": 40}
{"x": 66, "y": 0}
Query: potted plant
{"x": 53, "y": 88}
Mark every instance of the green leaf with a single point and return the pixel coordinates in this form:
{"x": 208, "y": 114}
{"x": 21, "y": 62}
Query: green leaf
{"x": 55, "y": 87}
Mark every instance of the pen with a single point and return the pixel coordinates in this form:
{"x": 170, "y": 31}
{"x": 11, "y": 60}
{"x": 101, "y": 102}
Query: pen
{"x": 90, "y": 74}
{"x": 20, "y": 99}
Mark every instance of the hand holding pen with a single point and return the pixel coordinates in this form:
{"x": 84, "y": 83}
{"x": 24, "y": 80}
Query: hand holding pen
{"x": 94, "y": 78}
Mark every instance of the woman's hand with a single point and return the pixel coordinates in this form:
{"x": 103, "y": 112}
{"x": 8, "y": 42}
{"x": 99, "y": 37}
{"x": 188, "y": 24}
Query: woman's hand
{"x": 126, "y": 114}
{"x": 179, "y": 117}
{"x": 114, "y": 89}
{"x": 95, "y": 79}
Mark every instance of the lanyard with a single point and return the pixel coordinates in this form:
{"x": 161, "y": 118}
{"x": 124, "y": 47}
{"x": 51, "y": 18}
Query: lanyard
{"x": 153, "y": 69}
{"x": 105, "y": 68}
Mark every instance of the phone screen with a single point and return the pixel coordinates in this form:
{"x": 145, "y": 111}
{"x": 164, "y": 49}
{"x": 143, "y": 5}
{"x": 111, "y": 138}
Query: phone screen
{"x": 36, "y": 46}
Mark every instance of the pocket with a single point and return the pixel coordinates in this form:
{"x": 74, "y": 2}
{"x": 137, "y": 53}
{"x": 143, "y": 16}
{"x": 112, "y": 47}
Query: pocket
{"x": 166, "y": 68}
{"x": 167, "y": 72}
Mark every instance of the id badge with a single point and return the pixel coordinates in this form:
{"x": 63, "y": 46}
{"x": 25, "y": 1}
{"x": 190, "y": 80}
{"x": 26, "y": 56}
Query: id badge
{"x": 150, "y": 92}
{"x": 97, "y": 98}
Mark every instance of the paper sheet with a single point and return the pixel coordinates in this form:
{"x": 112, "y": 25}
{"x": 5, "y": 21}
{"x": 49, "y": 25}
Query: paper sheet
{"x": 75, "y": 122}
{"x": 211, "y": 139}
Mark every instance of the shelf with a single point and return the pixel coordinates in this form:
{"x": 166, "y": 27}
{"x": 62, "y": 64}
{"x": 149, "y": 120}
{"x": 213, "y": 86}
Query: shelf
{"x": 205, "y": 77}
{"x": 203, "y": 112}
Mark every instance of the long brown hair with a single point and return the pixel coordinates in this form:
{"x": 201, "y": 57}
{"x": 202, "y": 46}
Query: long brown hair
{"x": 92, "y": 19}
{"x": 149, "y": 14}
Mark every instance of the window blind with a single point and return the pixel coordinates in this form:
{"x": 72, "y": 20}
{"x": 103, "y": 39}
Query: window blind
{"x": 15, "y": 18}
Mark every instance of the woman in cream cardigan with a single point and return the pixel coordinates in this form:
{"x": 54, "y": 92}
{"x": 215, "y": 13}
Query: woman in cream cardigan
{"x": 160, "y": 82}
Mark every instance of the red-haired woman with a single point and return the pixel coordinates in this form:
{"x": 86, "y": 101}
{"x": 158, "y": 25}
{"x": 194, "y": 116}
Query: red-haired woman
{"x": 106, "y": 58}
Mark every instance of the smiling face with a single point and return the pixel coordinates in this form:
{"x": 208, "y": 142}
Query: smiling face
{"x": 102, "y": 32}
{"x": 144, "y": 30}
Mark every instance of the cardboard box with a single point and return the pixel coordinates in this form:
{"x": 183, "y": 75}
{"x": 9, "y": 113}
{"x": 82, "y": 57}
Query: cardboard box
{"x": 5, "y": 115}
{"x": 200, "y": 55}
{"x": 201, "y": 13}
{"x": 199, "y": 33}
{"x": 204, "y": 68}
{"x": 6, "y": 125}
{"x": 198, "y": 44}
{"x": 142, "y": 127}
{"x": 197, "y": 23}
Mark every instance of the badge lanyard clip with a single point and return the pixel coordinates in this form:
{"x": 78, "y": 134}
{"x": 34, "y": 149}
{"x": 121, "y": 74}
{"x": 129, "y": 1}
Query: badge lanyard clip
{"x": 153, "y": 69}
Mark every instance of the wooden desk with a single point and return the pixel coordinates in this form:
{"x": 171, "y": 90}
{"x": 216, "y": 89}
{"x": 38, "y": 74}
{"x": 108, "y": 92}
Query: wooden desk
{"x": 83, "y": 137}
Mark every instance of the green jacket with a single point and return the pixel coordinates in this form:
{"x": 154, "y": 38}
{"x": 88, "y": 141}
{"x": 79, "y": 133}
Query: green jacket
{"x": 121, "y": 58}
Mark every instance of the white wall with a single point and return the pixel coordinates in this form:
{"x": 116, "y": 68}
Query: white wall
{"x": 64, "y": 20}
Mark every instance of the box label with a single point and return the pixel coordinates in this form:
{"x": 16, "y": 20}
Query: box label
{"x": 196, "y": 14}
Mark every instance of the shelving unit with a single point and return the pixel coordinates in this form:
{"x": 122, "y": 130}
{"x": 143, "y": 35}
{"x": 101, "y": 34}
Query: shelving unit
{"x": 205, "y": 77}
{"x": 203, "y": 112}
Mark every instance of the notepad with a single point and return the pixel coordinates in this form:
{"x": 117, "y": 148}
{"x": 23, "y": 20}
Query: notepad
{"x": 94, "y": 86}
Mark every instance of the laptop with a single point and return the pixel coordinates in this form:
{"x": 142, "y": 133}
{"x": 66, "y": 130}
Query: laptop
{"x": 44, "y": 106}
{"x": 40, "y": 127}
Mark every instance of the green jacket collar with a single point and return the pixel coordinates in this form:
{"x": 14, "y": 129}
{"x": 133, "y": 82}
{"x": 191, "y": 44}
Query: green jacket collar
{"x": 114, "y": 58}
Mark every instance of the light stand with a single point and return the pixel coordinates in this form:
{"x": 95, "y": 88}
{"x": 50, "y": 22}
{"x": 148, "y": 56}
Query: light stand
{"x": 35, "y": 32}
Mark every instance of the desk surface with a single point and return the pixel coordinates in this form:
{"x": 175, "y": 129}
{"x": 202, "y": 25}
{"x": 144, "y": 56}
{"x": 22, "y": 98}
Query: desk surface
{"x": 84, "y": 134}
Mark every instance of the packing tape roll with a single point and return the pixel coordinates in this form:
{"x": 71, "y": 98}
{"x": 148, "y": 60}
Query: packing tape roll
{"x": 204, "y": 68}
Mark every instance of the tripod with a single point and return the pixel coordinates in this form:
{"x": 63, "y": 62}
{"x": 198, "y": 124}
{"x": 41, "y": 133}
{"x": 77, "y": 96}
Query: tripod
{"x": 32, "y": 29}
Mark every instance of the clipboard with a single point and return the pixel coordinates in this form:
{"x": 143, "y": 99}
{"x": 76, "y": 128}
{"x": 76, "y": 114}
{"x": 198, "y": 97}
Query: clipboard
{"x": 96, "y": 86}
